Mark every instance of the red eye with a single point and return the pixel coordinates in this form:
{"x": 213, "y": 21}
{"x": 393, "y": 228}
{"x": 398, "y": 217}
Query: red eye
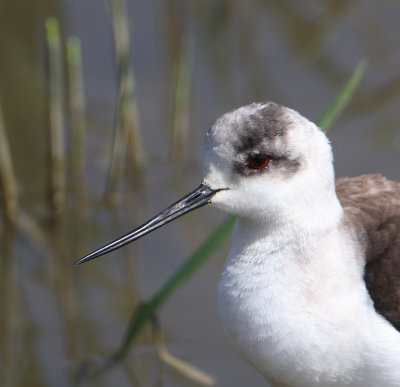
{"x": 258, "y": 161}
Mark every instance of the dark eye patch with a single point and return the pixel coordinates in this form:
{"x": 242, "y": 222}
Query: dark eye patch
{"x": 264, "y": 133}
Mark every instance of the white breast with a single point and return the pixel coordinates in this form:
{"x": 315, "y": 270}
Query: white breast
{"x": 301, "y": 318}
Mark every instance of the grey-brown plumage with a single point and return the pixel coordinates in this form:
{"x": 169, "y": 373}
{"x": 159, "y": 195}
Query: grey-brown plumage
{"x": 371, "y": 206}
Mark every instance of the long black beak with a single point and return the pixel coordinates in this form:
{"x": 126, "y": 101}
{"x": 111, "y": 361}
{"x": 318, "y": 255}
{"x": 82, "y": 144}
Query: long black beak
{"x": 195, "y": 199}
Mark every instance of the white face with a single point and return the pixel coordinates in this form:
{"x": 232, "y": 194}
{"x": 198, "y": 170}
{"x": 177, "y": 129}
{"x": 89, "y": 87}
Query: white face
{"x": 269, "y": 158}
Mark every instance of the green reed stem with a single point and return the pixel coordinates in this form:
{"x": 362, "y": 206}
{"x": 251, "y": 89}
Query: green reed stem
{"x": 56, "y": 116}
{"x": 336, "y": 107}
{"x": 189, "y": 267}
{"x": 77, "y": 106}
{"x": 181, "y": 113}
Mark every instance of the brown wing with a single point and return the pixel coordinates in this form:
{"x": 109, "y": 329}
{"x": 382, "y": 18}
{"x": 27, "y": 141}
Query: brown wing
{"x": 372, "y": 205}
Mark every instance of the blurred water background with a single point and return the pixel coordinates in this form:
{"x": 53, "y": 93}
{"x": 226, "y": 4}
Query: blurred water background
{"x": 156, "y": 74}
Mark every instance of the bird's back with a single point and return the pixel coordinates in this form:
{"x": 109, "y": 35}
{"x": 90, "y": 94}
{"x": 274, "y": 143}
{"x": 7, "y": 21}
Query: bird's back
{"x": 371, "y": 206}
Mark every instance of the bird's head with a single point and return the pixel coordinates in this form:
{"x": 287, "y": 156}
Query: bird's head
{"x": 259, "y": 161}
{"x": 263, "y": 157}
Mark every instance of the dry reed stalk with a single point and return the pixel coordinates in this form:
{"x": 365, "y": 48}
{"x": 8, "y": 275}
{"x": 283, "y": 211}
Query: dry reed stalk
{"x": 181, "y": 366}
{"x": 8, "y": 184}
{"x": 127, "y": 128}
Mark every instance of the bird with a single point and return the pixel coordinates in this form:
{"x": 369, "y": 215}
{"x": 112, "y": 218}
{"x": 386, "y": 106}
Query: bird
{"x": 310, "y": 291}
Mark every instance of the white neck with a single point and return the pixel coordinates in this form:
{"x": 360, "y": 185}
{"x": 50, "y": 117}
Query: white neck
{"x": 293, "y": 301}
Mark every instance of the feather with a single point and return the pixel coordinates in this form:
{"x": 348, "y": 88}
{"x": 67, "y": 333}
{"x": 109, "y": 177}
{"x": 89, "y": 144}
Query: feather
{"x": 371, "y": 206}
